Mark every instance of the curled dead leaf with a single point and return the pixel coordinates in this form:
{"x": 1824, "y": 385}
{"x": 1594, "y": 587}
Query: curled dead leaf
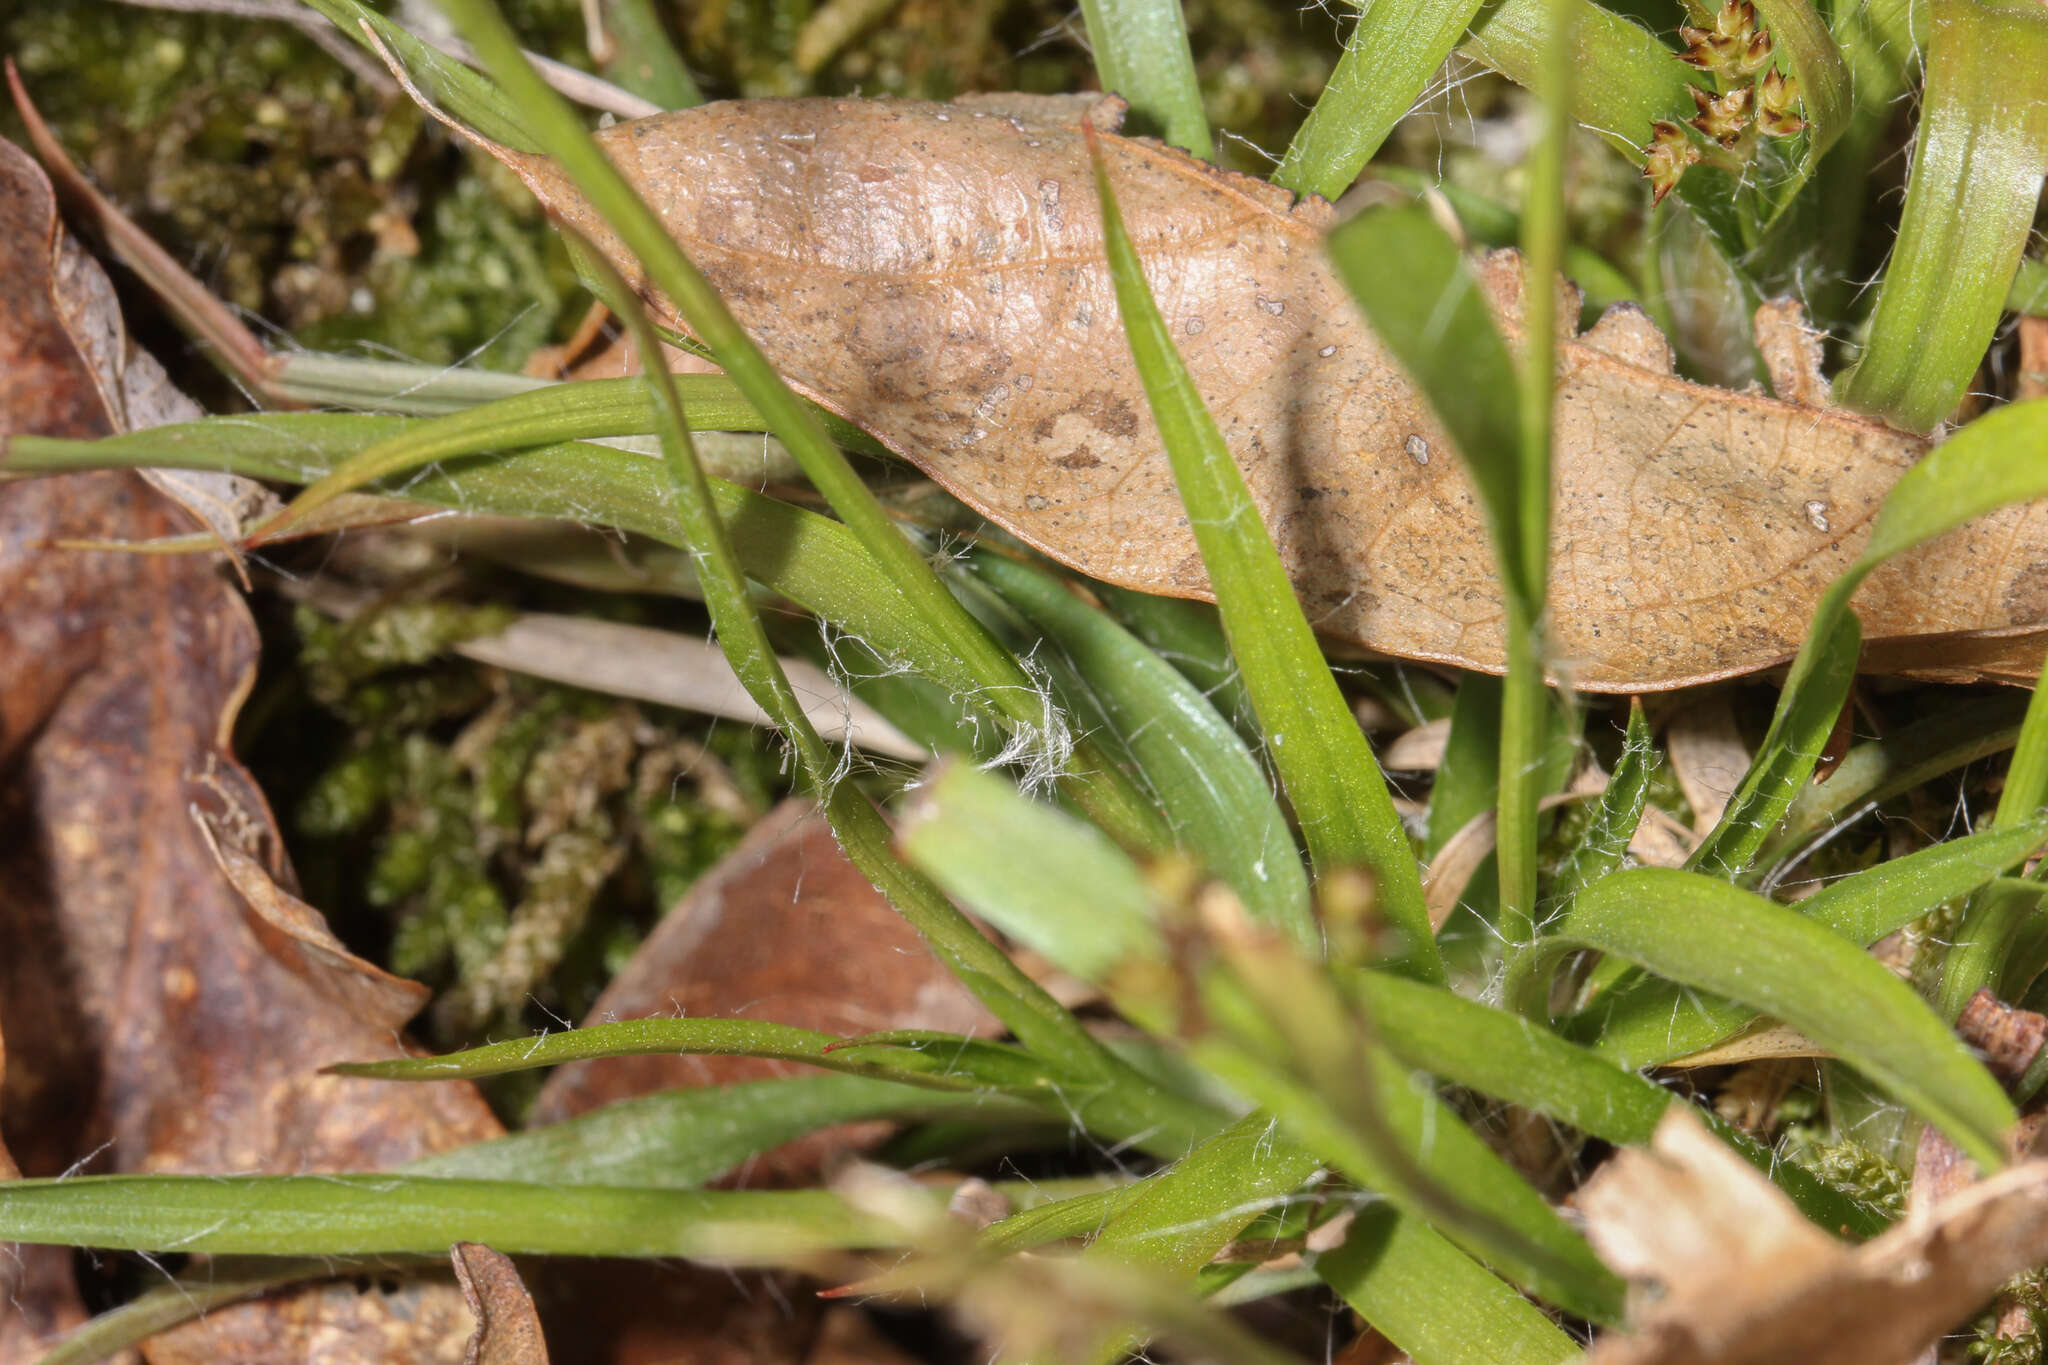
{"x": 935, "y": 274}
{"x": 155, "y": 1019}
{"x": 1736, "y": 1276}
{"x": 507, "y": 1325}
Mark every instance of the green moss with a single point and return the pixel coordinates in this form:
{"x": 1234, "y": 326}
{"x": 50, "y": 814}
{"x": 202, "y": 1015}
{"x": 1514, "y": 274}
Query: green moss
{"x": 290, "y": 189}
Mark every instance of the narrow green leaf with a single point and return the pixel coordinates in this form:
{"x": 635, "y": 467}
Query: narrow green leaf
{"x": 357, "y": 1215}
{"x": 1978, "y": 157}
{"x": 454, "y": 86}
{"x": 1217, "y": 798}
{"x": 1515, "y": 1059}
{"x": 1053, "y": 884}
{"x": 1176, "y": 1221}
{"x": 1057, "y": 886}
{"x": 1650, "y": 1022}
{"x": 1806, "y": 51}
{"x": 680, "y": 1139}
{"x": 2029, "y": 292}
{"x": 1391, "y": 54}
{"x": 543, "y": 416}
{"x": 1324, "y": 762}
{"x": 1411, "y": 280}
{"x": 1044, "y": 1026}
{"x": 1700, "y": 932}
{"x": 1524, "y": 722}
{"x": 647, "y": 62}
{"x": 1539, "y": 1251}
{"x": 1180, "y": 1218}
{"x": 1806, "y": 715}
{"x": 1952, "y": 736}
{"x": 1599, "y": 849}
{"x": 961, "y": 1064}
{"x": 1991, "y": 463}
{"x": 1188, "y": 635}
{"x": 1983, "y": 951}
{"x": 1141, "y": 52}
{"x": 1468, "y": 780}
{"x": 1432, "y": 1300}
{"x": 1425, "y": 306}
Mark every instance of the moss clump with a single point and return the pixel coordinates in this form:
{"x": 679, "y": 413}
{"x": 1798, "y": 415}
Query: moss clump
{"x": 515, "y": 839}
{"x": 293, "y": 191}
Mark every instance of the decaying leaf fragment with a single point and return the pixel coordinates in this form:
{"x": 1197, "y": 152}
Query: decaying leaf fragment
{"x": 507, "y": 1325}
{"x": 1739, "y": 1277}
{"x": 935, "y": 274}
{"x": 167, "y": 1003}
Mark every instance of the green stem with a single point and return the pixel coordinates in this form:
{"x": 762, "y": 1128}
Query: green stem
{"x": 1524, "y": 701}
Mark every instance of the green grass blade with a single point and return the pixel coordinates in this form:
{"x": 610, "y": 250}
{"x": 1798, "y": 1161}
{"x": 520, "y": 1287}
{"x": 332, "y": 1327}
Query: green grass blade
{"x": 1524, "y": 720}
{"x": 812, "y": 560}
{"x": 1953, "y": 736}
{"x": 1806, "y": 50}
{"x": 1188, "y": 635}
{"x": 1977, "y": 165}
{"x": 559, "y": 412}
{"x": 1704, "y": 933}
{"x": 1176, "y": 1221}
{"x": 1985, "y": 941}
{"x": 2029, "y": 292}
{"x": 1993, "y": 462}
{"x": 454, "y": 86}
{"x": 358, "y": 1215}
{"x": 648, "y": 63}
{"x": 1180, "y": 1218}
{"x": 1650, "y": 1022}
{"x": 1468, "y": 780}
{"x": 1046, "y": 880}
{"x": 1425, "y": 306}
{"x": 1324, "y": 762}
{"x": 944, "y": 1063}
{"x": 1435, "y": 1302}
{"x": 1061, "y": 889}
{"x": 1141, "y": 52}
{"x": 558, "y": 131}
{"x": 1512, "y": 1058}
{"x": 1512, "y": 1229}
{"x": 1785, "y": 759}
{"x": 1600, "y": 848}
{"x": 680, "y": 1139}
{"x": 1040, "y": 1022}
{"x": 1217, "y": 798}
{"x": 1390, "y": 56}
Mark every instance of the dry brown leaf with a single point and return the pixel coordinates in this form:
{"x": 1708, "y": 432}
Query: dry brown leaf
{"x": 507, "y": 1325}
{"x": 935, "y": 274}
{"x": 1736, "y": 1276}
{"x": 785, "y": 928}
{"x": 156, "y": 1018}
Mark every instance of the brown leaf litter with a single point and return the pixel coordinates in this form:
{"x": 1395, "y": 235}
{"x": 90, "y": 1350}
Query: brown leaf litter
{"x": 935, "y": 274}
{"x": 167, "y": 1003}
{"x": 784, "y": 928}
